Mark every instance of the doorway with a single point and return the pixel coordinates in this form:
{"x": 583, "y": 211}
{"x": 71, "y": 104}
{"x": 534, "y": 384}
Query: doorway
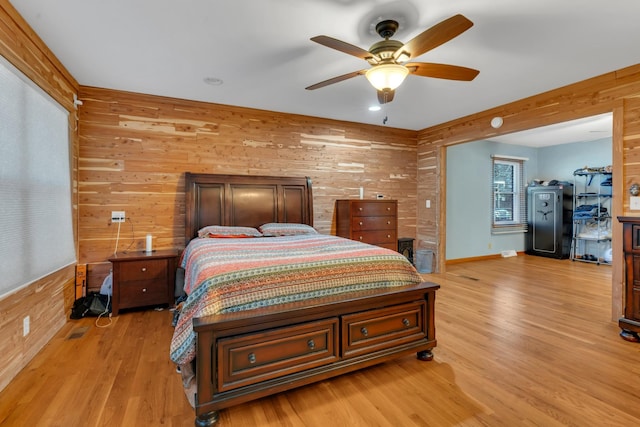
{"x": 552, "y": 153}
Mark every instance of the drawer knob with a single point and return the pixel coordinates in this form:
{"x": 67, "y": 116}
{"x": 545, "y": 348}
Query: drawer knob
{"x": 406, "y": 322}
{"x": 388, "y": 222}
{"x": 252, "y": 358}
{"x": 364, "y": 332}
{"x": 360, "y": 222}
{"x": 388, "y": 209}
{"x": 360, "y": 209}
{"x": 311, "y": 344}
{"x": 388, "y": 236}
{"x": 360, "y": 237}
{"x": 144, "y": 289}
{"x": 144, "y": 268}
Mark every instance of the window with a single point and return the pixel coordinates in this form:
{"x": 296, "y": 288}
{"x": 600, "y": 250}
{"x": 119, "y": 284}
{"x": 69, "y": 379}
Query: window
{"x": 508, "y": 195}
{"x": 35, "y": 183}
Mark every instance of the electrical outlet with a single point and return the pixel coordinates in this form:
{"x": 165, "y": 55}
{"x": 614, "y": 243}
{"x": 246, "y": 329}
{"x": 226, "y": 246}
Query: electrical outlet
{"x": 26, "y": 326}
{"x": 117, "y": 216}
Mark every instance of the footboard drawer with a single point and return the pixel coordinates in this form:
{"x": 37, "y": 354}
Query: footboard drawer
{"x": 269, "y": 354}
{"x": 375, "y": 330}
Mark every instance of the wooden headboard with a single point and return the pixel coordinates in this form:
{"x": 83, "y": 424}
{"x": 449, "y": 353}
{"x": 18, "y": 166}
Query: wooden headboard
{"x": 244, "y": 200}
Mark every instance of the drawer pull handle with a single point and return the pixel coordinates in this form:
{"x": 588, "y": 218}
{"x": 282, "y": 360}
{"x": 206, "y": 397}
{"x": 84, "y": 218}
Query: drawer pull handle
{"x": 311, "y": 344}
{"x": 360, "y": 237}
{"x": 388, "y": 209}
{"x": 360, "y": 209}
{"x": 144, "y": 289}
{"x": 144, "y": 268}
{"x": 364, "y": 332}
{"x": 252, "y": 358}
{"x": 388, "y": 236}
{"x": 406, "y": 322}
{"x": 388, "y": 222}
{"x": 360, "y": 222}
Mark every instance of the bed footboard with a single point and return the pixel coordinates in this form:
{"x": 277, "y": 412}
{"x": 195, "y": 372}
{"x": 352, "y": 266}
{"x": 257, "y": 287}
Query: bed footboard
{"x": 247, "y": 355}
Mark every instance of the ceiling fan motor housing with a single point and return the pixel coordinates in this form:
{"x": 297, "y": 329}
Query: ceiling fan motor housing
{"x": 385, "y": 49}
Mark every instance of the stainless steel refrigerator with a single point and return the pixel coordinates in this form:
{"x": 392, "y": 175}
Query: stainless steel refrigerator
{"x": 550, "y": 213}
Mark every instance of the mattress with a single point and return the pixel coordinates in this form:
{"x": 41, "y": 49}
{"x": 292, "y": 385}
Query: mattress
{"x": 224, "y": 275}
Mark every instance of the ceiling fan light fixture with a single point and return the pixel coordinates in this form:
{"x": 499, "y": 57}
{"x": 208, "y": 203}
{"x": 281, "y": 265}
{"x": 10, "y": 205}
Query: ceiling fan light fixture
{"x": 386, "y": 76}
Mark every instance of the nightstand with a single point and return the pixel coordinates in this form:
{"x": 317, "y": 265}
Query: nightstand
{"x": 142, "y": 279}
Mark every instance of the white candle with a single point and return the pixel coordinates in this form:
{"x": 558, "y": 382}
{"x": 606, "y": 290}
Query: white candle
{"x": 149, "y": 243}
{"x": 361, "y": 193}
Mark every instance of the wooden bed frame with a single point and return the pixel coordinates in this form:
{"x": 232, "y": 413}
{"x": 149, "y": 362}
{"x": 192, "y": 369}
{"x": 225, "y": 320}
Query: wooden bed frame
{"x": 247, "y": 355}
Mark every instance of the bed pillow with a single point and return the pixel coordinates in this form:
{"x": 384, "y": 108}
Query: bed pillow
{"x": 228, "y": 231}
{"x": 285, "y": 229}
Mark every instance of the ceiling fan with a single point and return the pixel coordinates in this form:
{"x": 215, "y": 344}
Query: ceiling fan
{"x": 388, "y": 58}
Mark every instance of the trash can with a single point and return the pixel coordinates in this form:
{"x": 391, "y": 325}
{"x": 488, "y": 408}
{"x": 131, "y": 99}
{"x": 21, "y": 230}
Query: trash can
{"x": 424, "y": 260}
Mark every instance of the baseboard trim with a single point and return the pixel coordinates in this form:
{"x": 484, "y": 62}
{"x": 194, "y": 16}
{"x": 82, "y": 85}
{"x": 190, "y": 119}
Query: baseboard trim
{"x": 476, "y": 258}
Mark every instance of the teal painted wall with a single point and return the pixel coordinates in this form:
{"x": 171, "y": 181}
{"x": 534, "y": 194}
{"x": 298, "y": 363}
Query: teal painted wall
{"x": 468, "y": 222}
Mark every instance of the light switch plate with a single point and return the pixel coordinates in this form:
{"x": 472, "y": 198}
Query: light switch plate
{"x": 634, "y": 203}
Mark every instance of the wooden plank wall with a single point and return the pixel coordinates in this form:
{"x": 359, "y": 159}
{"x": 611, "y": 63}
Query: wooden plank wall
{"x": 617, "y": 92}
{"x": 135, "y": 149}
{"x": 47, "y": 301}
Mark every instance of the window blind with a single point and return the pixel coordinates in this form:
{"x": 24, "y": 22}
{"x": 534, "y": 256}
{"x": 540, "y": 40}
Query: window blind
{"x": 35, "y": 183}
{"x": 508, "y": 196}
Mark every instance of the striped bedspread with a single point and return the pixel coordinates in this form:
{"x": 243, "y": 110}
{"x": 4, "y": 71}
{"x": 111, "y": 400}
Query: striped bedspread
{"x": 228, "y": 275}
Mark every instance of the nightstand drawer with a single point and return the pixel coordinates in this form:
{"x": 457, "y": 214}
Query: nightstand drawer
{"x": 143, "y": 292}
{"x": 144, "y": 270}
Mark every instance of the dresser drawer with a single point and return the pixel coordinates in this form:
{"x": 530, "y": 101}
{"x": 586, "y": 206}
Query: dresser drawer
{"x": 375, "y": 330}
{"x": 367, "y": 208}
{"x": 373, "y": 223}
{"x": 144, "y": 270}
{"x": 377, "y": 237}
{"x": 274, "y": 353}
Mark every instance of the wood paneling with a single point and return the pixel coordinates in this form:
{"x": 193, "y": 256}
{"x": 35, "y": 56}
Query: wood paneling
{"x": 617, "y": 92}
{"x": 47, "y": 301}
{"x": 135, "y": 149}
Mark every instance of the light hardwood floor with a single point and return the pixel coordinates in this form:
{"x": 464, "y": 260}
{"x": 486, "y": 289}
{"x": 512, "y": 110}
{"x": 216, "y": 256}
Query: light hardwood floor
{"x": 523, "y": 341}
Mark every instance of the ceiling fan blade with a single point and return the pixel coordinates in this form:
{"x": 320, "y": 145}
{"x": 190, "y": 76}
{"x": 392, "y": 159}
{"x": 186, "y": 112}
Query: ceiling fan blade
{"x": 385, "y": 96}
{"x": 435, "y": 36}
{"x": 442, "y": 71}
{"x": 343, "y": 47}
{"x": 336, "y": 79}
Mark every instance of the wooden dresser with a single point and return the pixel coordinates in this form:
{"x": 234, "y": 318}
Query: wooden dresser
{"x": 368, "y": 221}
{"x": 630, "y": 322}
{"x": 143, "y": 279}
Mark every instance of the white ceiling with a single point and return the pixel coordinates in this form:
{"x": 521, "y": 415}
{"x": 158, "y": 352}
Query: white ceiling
{"x": 581, "y": 130}
{"x": 261, "y": 50}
